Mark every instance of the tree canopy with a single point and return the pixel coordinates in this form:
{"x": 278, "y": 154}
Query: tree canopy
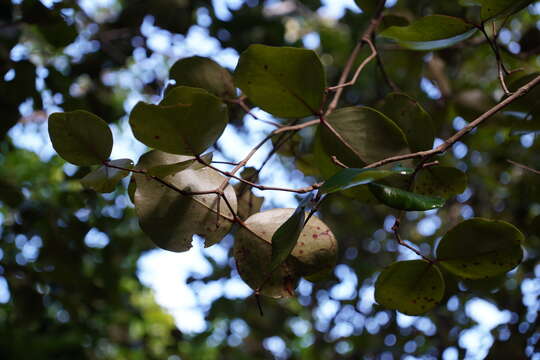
{"x": 406, "y": 131}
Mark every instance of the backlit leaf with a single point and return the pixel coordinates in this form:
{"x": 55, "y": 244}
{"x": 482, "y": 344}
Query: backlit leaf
{"x": 80, "y": 137}
{"x": 411, "y": 287}
{"x": 413, "y": 120}
{"x": 105, "y": 178}
{"x": 480, "y": 248}
{"x": 440, "y": 181}
{"x": 205, "y": 73}
{"x": 284, "y": 81}
{"x": 497, "y": 8}
{"x": 188, "y": 121}
{"x": 371, "y": 134}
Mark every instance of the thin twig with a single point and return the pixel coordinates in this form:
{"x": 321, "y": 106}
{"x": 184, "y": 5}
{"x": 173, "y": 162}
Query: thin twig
{"x": 525, "y": 167}
{"x": 457, "y": 136}
{"x": 373, "y": 25}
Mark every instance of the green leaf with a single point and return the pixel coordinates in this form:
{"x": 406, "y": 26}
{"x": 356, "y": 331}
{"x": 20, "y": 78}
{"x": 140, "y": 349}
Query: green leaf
{"x": 284, "y": 81}
{"x": 314, "y": 254}
{"x": 411, "y": 117}
{"x": 162, "y": 171}
{"x": 171, "y": 219}
{"x": 105, "y": 178}
{"x": 481, "y": 248}
{"x": 535, "y": 226}
{"x": 411, "y": 287}
{"x": 188, "y": 121}
{"x": 370, "y": 133}
{"x": 440, "y": 181}
{"x": 201, "y": 72}
{"x": 285, "y": 238}
{"x": 404, "y": 200}
{"x": 524, "y": 113}
{"x": 80, "y": 137}
{"x": 348, "y": 178}
{"x": 497, "y": 8}
{"x": 431, "y": 32}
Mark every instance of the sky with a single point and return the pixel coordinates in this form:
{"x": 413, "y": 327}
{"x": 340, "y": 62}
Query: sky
{"x": 166, "y": 272}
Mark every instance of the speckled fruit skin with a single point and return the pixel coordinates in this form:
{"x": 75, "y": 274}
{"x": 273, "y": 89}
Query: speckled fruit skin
{"x": 313, "y": 256}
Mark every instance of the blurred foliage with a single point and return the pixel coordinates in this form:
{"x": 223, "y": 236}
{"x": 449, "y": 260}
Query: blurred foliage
{"x": 69, "y": 300}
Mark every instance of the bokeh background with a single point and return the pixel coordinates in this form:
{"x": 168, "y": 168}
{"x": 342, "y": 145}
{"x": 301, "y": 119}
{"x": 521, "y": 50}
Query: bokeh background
{"x": 79, "y": 280}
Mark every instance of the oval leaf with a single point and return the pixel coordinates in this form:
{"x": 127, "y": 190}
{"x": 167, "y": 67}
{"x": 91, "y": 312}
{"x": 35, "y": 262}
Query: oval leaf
{"x": 440, "y": 181}
{"x": 404, "y": 200}
{"x": 371, "y": 134}
{"x": 201, "y": 72}
{"x": 497, "y": 8}
{"x": 413, "y": 120}
{"x": 188, "y": 121}
{"x": 80, "y": 137}
{"x": 284, "y": 81}
{"x": 411, "y": 287}
{"x": 105, "y": 178}
{"x": 481, "y": 248}
{"x": 315, "y": 252}
{"x": 171, "y": 219}
{"x": 348, "y": 178}
{"x": 431, "y": 32}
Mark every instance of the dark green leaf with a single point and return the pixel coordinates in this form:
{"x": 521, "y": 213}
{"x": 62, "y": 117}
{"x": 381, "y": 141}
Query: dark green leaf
{"x": 105, "y": 178}
{"x": 431, "y": 32}
{"x": 284, "y": 81}
{"x": 497, "y": 8}
{"x": 481, "y": 248}
{"x": 404, "y": 200}
{"x": 285, "y": 238}
{"x": 188, "y": 121}
{"x": 411, "y": 287}
{"x": 80, "y": 137}
{"x": 368, "y": 6}
{"x": 201, "y": 72}
{"x": 370, "y": 133}
{"x": 440, "y": 181}
{"x": 411, "y": 117}
{"x": 348, "y": 178}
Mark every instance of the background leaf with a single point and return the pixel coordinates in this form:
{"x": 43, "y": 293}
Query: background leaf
{"x": 411, "y": 287}
{"x": 348, "y": 178}
{"x": 431, "y": 32}
{"x": 493, "y": 248}
{"x": 412, "y": 119}
{"x": 205, "y": 73}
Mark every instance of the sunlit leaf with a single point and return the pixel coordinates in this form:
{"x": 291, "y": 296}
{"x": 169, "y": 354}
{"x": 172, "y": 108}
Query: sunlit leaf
{"x": 80, "y": 137}
{"x": 284, "y": 81}
{"x": 188, "y": 121}
{"x": 411, "y": 287}
{"x": 481, "y": 248}
{"x": 105, "y": 178}
{"x": 348, "y": 178}
{"x": 431, "y": 32}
